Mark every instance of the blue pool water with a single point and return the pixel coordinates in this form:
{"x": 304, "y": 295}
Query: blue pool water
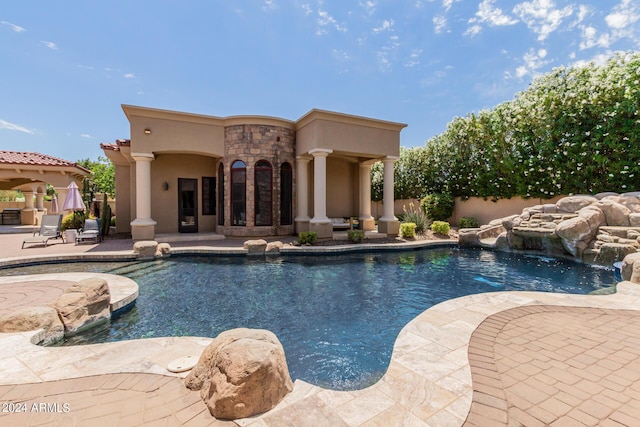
{"x": 336, "y": 316}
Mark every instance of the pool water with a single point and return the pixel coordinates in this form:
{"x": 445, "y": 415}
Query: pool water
{"x": 336, "y": 316}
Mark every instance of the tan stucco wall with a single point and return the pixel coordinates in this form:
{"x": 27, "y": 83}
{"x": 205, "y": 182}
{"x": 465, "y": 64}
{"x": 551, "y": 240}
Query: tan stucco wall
{"x": 169, "y": 136}
{"x": 342, "y": 188}
{"x": 164, "y": 203}
{"x": 486, "y": 210}
{"x": 348, "y": 138}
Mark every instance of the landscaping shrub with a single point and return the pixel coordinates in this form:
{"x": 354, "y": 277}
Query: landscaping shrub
{"x": 355, "y": 236}
{"x": 113, "y": 221}
{"x": 438, "y": 207}
{"x": 417, "y": 217}
{"x": 467, "y": 222}
{"x": 308, "y": 237}
{"x": 440, "y": 227}
{"x": 68, "y": 221}
{"x": 408, "y": 230}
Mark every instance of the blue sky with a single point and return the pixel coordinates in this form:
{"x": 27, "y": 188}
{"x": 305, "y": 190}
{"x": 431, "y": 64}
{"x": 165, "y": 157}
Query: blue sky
{"x": 68, "y": 66}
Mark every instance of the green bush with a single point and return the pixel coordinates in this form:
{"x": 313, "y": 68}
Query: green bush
{"x": 408, "y": 230}
{"x": 440, "y": 227}
{"x": 71, "y": 221}
{"x": 355, "y": 236}
{"x": 438, "y": 207}
{"x": 417, "y": 217}
{"x": 467, "y": 222}
{"x": 113, "y": 221}
{"x": 308, "y": 237}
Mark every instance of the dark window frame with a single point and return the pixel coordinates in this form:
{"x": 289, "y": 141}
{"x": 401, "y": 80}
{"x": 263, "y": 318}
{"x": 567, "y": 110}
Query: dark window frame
{"x": 286, "y": 194}
{"x": 238, "y": 198}
{"x": 263, "y": 208}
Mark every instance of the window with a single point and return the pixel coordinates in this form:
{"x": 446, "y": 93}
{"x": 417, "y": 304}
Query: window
{"x": 238, "y": 193}
{"x": 208, "y": 195}
{"x": 286, "y": 194}
{"x": 263, "y": 192}
{"x": 220, "y": 194}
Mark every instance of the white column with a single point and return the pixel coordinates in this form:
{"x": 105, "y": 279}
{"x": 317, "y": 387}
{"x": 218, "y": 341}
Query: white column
{"x": 387, "y": 190}
{"x": 302, "y": 185}
{"x": 365, "y": 191}
{"x": 143, "y": 225}
{"x": 28, "y": 200}
{"x": 320, "y": 184}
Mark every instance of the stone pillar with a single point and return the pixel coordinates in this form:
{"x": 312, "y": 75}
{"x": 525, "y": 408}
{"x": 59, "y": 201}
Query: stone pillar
{"x": 28, "y": 213}
{"x": 143, "y": 227}
{"x": 367, "y": 222}
{"x": 302, "y": 194}
{"x": 320, "y": 223}
{"x": 388, "y": 223}
{"x": 40, "y": 201}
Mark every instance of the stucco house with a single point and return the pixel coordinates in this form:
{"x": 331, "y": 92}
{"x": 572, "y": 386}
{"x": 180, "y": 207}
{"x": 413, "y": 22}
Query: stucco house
{"x": 250, "y": 175}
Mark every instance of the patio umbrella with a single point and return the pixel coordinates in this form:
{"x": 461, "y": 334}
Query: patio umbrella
{"x": 54, "y": 204}
{"x": 73, "y": 201}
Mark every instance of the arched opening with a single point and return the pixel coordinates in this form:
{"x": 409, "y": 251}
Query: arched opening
{"x": 238, "y": 193}
{"x": 286, "y": 194}
{"x": 263, "y": 193}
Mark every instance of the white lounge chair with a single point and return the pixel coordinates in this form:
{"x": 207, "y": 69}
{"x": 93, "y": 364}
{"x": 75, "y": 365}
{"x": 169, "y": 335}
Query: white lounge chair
{"x": 50, "y": 228}
{"x": 90, "y": 232}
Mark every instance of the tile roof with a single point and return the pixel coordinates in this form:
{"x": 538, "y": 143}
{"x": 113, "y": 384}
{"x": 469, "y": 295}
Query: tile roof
{"x": 115, "y": 146}
{"x": 36, "y": 159}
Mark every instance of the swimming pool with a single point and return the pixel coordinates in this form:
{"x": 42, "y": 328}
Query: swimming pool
{"x": 336, "y": 316}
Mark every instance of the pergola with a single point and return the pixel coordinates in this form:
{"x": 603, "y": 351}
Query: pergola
{"x": 30, "y": 172}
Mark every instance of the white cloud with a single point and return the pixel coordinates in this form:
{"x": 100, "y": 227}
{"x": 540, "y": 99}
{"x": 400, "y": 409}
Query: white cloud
{"x": 325, "y": 20}
{"x": 12, "y": 126}
{"x": 307, "y": 9}
{"x": 269, "y": 5}
{"x": 599, "y": 59}
{"x": 369, "y": 6}
{"x": 489, "y": 15}
{"x": 622, "y": 20}
{"x": 414, "y": 58}
{"x": 86, "y": 136}
{"x": 448, "y": 3}
{"x": 50, "y": 45}
{"x": 533, "y": 60}
{"x": 439, "y": 24}
{"x": 386, "y": 25}
{"x": 129, "y": 76}
{"x": 14, "y": 27}
{"x": 542, "y": 16}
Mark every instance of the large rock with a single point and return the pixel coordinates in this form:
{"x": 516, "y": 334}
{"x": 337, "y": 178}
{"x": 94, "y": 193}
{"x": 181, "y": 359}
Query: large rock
{"x": 243, "y": 372}
{"x": 255, "y": 247}
{"x": 634, "y": 219}
{"x": 274, "y": 247}
{"x": 627, "y": 200}
{"x": 573, "y": 231}
{"x": 573, "y": 204}
{"x": 613, "y": 252}
{"x": 32, "y": 318}
{"x": 145, "y": 249}
{"x": 615, "y": 213}
{"x": 594, "y": 216}
{"x": 84, "y": 305}
{"x": 631, "y": 268}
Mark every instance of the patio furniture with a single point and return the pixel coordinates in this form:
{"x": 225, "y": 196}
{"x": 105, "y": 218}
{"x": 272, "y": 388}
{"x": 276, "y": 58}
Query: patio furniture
{"x": 340, "y": 223}
{"x": 50, "y": 228}
{"x": 90, "y": 232}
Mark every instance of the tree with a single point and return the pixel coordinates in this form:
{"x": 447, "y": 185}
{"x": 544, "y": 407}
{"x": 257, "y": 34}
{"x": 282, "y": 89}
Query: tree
{"x": 103, "y": 176}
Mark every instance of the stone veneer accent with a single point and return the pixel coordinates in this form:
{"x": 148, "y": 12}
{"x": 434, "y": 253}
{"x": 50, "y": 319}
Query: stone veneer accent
{"x": 252, "y": 143}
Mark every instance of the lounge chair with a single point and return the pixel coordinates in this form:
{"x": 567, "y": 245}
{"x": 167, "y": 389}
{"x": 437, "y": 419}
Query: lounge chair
{"x": 50, "y": 228}
{"x": 90, "y": 232}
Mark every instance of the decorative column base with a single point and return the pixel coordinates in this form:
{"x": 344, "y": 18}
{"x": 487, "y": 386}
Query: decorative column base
{"x": 323, "y": 228}
{"x": 367, "y": 224}
{"x": 389, "y": 226}
{"x": 302, "y": 225}
{"x": 28, "y": 216}
{"x": 143, "y": 229}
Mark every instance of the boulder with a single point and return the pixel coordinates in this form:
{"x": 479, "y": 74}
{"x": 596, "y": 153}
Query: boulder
{"x": 274, "y": 247}
{"x": 84, "y": 305}
{"x": 145, "y": 249}
{"x": 634, "y": 219}
{"x": 255, "y": 247}
{"x": 32, "y": 318}
{"x": 243, "y": 372}
{"x": 600, "y": 196}
{"x": 631, "y": 268}
{"x": 549, "y": 208}
{"x": 594, "y": 216}
{"x": 511, "y": 221}
{"x": 613, "y": 252}
{"x": 163, "y": 250}
{"x": 615, "y": 213}
{"x": 573, "y": 204}
{"x": 573, "y": 231}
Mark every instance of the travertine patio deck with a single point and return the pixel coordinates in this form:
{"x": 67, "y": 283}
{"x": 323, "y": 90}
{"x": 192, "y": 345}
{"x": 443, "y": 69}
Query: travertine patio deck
{"x": 428, "y": 381}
